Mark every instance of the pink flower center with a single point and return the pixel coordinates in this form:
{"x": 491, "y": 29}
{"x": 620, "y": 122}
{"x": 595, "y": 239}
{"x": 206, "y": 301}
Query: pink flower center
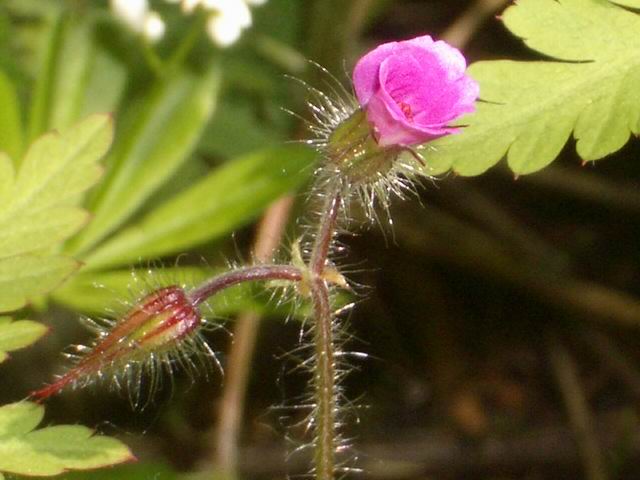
{"x": 406, "y": 109}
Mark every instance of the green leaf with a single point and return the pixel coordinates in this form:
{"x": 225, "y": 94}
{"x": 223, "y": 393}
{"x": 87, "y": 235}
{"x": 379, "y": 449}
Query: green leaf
{"x": 230, "y": 196}
{"x": 35, "y": 230}
{"x": 27, "y": 276}
{"x": 51, "y": 450}
{"x": 37, "y": 207}
{"x": 73, "y": 65}
{"x": 237, "y": 128}
{"x": 104, "y": 85}
{"x": 10, "y": 119}
{"x": 628, "y": 3}
{"x": 19, "y": 418}
{"x": 43, "y": 90}
{"x": 531, "y": 108}
{"x": 56, "y": 168}
{"x": 15, "y": 335}
{"x": 76, "y": 76}
{"x": 137, "y": 471}
{"x": 152, "y": 144}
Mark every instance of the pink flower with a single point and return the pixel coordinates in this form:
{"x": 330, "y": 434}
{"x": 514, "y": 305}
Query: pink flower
{"x": 412, "y": 90}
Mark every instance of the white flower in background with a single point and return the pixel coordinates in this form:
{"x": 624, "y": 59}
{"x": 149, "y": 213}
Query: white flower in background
{"x": 153, "y": 28}
{"x": 223, "y": 32}
{"x": 136, "y": 15}
{"x": 225, "y": 23}
{"x": 227, "y": 18}
{"x": 188, "y": 6}
{"x": 131, "y": 12}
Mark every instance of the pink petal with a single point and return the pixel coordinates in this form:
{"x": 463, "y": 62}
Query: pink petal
{"x": 389, "y": 130}
{"x": 413, "y": 89}
{"x": 450, "y": 59}
{"x": 365, "y": 73}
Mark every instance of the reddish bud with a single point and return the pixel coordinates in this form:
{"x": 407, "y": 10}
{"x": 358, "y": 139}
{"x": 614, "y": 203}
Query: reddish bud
{"x": 157, "y": 325}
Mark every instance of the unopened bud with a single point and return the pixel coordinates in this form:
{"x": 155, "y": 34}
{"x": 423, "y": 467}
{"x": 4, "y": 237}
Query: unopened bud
{"x": 160, "y": 322}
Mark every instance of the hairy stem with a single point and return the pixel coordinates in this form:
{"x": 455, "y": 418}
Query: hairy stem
{"x": 247, "y": 274}
{"x": 324, "y": 375}
{"x": 326, "y": 230}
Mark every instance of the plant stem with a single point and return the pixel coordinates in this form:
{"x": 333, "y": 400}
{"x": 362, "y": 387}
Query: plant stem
{"x": 187, "y": 43}
{"x": 247, "y": 274}
{"x": 154, "y": 62}
{"x": 324, "y": 373}
{"x": 326, "y": 230}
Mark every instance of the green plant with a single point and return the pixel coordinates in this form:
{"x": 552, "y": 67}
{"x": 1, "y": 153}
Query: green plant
{"x": 529, "y": 111}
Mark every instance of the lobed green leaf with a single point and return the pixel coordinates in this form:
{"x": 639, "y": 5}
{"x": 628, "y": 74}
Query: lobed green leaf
{"x": 27, "y": 276}
{"x": 137, "y": 471}
{"x": 15, "y": 335}
{"x": 51, "y": 450}
{"x": 38, "y": 208}
{"x": 530, "y": 109}
{"x": 33, "y": 231}
{"x": 59, "y": 166}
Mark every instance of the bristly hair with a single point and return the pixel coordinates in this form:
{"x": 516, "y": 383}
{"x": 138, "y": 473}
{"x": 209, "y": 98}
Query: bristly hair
{"x": 329, "y": 110}
{"x": 298, "y": 414}
{"x": 128, "y": 354}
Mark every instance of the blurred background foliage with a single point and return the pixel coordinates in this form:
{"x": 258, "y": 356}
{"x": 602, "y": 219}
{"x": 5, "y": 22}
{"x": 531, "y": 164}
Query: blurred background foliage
{"x": 502, "y": 318}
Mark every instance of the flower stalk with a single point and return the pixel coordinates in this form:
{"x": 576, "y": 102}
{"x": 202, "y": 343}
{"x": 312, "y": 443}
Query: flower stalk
{"x": 324, "y": 420}
{"x": 247, "y": 274}
{"x": 163, "y": 326}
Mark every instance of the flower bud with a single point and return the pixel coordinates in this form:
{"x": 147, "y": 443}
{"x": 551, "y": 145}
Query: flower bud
{"x": 158, "y": 324}
{"x": 164, "y": 316}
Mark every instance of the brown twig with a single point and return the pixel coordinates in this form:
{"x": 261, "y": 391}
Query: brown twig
{"x": 460, "y": 32}
{"x": 245, "y": 332}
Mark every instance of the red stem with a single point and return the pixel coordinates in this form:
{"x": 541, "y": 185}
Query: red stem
{"x": 248, "y": 274}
